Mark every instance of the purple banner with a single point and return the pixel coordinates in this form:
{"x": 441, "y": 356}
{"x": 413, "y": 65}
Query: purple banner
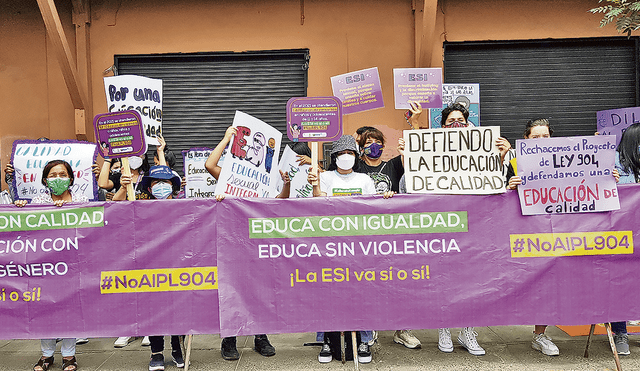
{"x": 358, "y": 90}
{"x": 345, "y": 263}
{"x": 616, "y": 121}
{"x": 423, "y": 85}
{"x": 108, "y": 269}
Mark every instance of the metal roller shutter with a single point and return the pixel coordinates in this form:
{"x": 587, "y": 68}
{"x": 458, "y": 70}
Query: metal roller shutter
{"x": 202, "y": 91}
{"x": 566, "y": 81}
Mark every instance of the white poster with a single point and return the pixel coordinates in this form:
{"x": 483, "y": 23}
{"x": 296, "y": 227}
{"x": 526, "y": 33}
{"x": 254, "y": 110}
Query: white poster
{"x": 453, "y": 161}
{"x": 130, "y": 92}
{"x": 251, "y": 167}
{"x": 29, "y": 157}
{"x": 200, "y": 183}
{"x": 300, "y": 187}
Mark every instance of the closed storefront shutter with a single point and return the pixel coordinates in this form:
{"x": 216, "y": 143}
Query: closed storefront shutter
{"x": 202, "y": 91}
{"x": 566, "y": 81}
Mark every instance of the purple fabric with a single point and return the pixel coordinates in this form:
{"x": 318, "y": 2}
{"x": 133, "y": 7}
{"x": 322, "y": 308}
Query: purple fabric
{"x": 482, "y": 285}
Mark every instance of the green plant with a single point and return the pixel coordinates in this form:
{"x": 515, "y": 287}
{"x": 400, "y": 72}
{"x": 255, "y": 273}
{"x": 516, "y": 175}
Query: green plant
{"x": 625, "y": 12}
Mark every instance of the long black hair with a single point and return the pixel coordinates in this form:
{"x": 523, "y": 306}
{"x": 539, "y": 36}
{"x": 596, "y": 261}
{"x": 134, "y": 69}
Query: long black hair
{"x": 629, "y": 152}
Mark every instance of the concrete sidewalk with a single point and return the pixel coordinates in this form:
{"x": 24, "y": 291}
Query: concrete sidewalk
{"x": 507, "y": 347}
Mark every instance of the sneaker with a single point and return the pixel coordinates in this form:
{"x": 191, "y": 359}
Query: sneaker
{"x": 263, "y": 346}
{"x": 444, "y": 340}
{"x": 157, "y": 362}
{"x": 122, "y": 341}
{"x": 634, "y": 323}
{"x": 176, "y": 355}
{"x": 81, "y": 341}
{"x": 622, "y": 344}
{"x": 364, "y": 354}
{"x": 325, "y": 354}
{"x": 229, "y": 350}
{"x": 467, "y": 338}
{"x": 544, "y": 344}
{"x": 406, "y": 338}
{"x": 145, "y": 341}
{"x": 374, "y": 338}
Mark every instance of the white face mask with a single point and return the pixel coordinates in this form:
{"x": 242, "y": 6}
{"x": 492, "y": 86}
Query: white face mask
{"x": 135, "y": 162}
{"x": 345, "y": 161}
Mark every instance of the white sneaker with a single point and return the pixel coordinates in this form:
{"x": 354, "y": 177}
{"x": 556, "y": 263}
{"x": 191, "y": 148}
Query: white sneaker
{"x": 444, "y": 340}
{"x": 374, "y": 338}
{"x": 467, "y": 338}
{"x": 544, "y": 344}
{"x": 325, "y": 355}
{"x": 406, "y": 338}
{"x": 634, "y": 323}
{"x": 145, "y": 341}
{"x": 81, "y": 341}
{"x": 122, "y": 342}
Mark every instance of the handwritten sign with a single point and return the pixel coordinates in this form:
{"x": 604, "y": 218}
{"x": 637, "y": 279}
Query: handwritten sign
{"x": 567, "y": 175}
{"x": 251, "y": 165}
{"x": 300, "y": 187}
{"x": 467, "y": 95}
{"x": 314, "y": 119}
{"x": 417, "y": 84}
{"x": 359, "y": 90}
{"x": 130, "y": 92}
{"x": 616, "y": 121}
{"x": 454, "y": 161}
{"x": 200, "y": 183}
{"x": 29, "y": 157}
{"x": 120, "y": 134}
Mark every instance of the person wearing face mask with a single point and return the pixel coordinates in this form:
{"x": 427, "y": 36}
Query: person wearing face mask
{"x": 139, "y": 166}
{"x": 385, "y": 174}
{"x": 57, "y": 177}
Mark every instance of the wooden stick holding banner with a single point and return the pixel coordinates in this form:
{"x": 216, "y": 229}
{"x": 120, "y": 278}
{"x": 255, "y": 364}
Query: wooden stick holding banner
{"x": 314, "y": 162}
{"x": 354, "y": 349}
{"x": 126, "y": 171}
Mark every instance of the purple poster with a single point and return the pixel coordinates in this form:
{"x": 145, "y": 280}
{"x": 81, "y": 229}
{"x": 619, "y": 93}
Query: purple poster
{"x": 358, "y": 90}
{"x": 616, "y": 121}
{"x": 567, "y": 175}
{"x": 314, "y": 119}
{"x": 423, "y": 85}
{"x": 344, "y": 263}
{"x": 108, "y": 269}
{"x": 120, "y": 134}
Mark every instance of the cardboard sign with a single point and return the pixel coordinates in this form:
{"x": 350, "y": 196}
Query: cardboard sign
{"x": 120, "y": 134}
{"x": 314, "y": 119}
{"x": 453, "y": 161}
{"x": 130, "y": 92}
{"x": 616, "y": 121}
{"x": 467, "y": 95}
{"x": 300, "y": 187}
{"x": 359, "y": 90}
{"x": 29, "y": 157}
{"x": 250, "y": 167}
{"x": 200, "y": 183}
{"x": 423, "y": 85}
{"x": 567, "y": 175}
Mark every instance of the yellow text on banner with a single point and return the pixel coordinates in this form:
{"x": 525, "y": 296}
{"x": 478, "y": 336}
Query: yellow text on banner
{"x": 157, "y": 280}
{"x": 571, "y": 244}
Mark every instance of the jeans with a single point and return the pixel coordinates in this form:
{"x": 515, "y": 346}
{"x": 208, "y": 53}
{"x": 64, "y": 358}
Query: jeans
{"x": 619, "y": 327}
{"x": 68, "y": 347}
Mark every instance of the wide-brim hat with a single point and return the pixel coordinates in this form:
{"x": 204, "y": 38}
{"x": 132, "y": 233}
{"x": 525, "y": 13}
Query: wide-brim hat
{"x": 345, "y": 142}
{"x": 161, "y": 172}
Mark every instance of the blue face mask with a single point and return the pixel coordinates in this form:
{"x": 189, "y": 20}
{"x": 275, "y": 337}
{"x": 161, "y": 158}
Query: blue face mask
{"x": 373, "y": 150}
{"x": 161, "y": 190}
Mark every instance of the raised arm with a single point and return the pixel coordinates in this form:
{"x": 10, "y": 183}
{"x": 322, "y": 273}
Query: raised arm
{"x": 212, "y": 162}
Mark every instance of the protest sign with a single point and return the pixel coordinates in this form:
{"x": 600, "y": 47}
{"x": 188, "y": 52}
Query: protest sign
{"x": 313, "y": 119}
{"x": 316, "y": 263}
{"x": 130, "y": 92}
{"x": 300, "y": 187}
{"x": 358, "y": 90}
{"x": 456, "y": 161}
{"x": 65, "y": 270}
{"x": 29, "y": 157}
{"x": 467, "y": 95}
{"x": 120, "y": 134}
{"x": 200, "y": 183}
{"x": 422, "y": 85}
{"x": 567, "y": 175}
{"x": 616, "y": 121}
{"x": 250, "y": 167}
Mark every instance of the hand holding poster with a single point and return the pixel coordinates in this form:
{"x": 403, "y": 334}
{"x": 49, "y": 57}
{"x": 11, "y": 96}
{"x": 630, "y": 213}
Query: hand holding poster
{"x": 300, "y": 187}
{"x": 454, "y": 161}
{"x": 358, "y": 90}
{"x": 423, "y": 85}
{"x": 250, "y": 166}
{"x": 29, "y": 157}
{"x": 129, "y": 92}
{"x": 200, "y": 183}
{"x": 567, "y": 175}
{"x": 616, "y": 121}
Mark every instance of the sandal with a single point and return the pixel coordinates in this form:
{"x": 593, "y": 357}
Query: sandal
{"x": 43, "y": 363}
{"x": 69, "y": 364}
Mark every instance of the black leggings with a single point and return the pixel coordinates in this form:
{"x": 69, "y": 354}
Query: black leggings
{"x": 157, "y": 343}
